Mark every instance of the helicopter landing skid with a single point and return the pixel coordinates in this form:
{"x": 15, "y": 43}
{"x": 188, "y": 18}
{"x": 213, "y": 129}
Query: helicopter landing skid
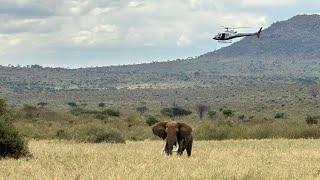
{"x": 225, "y": 41}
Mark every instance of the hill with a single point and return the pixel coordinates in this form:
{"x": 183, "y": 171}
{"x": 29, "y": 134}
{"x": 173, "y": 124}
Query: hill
{"x": 296, "y": 38}
{"x": 286, "y": 54}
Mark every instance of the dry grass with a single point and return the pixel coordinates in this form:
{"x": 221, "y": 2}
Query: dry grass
{"x": 245, "y": 159}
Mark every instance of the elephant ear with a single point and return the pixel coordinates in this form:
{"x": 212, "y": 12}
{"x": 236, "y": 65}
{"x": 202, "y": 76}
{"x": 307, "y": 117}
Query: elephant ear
{"x": 184, "y": 130}
{"x": 159, "y": 129}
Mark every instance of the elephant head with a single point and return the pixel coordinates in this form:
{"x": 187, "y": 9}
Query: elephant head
{"x": 174, "y": 132}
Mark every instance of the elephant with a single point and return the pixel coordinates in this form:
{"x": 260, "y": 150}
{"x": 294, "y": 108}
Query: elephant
{"x": 173, "y": 132}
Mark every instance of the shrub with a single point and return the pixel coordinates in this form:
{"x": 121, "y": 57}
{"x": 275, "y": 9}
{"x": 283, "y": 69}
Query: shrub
{"x": 101, "y": 105}
{"x": 241, "y": 117}
{"x": 313, "y": 132}
{"x": 101, "y": 116}
{"x": 212, "y": 114}
{"x": 110, "y": 136}
{"x": 94, "y": 134}
{"x": 42, "y": 104}
{"x": 312, "y": 119}
{"x": 114, "y": 113}
{"x": 62, "y": 134}
{"x": 72, "y": 104}
{"x": 77, "y": 111}
{"x": 11, "y": 142}
{"x": 97, "y": 114}
{"x": 30, "y": 111}
{"x": 151, "y": 120}
{"x": 211, "y": 132}
{"x": 227, "y": 113}
{"x": 175, "y": 111}
{"x": 3, "y": 107}
{"x": 279, "y": 116}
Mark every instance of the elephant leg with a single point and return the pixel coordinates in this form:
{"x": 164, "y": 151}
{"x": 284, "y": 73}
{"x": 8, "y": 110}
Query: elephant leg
{"x": 180, "y": 150}
{"x": 189, "y": 146}
{"x": 167, "y": 149}
{"x": 183, "y": 146}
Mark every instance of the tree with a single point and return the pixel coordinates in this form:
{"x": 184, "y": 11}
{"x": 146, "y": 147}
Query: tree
{"x": 102, "y": 105}
{"x": 151, "y": 120}
{"x": 312, "y": 119}
{"x": 12, "y": 144}
{"x": 201, "y": 109}
{"x": 175, "y": 111}
{"x": 141, "y": 109}
{"x": 72, "y": 104}
{"x": 42, "y": 104}
{"x": 227, "y": 113}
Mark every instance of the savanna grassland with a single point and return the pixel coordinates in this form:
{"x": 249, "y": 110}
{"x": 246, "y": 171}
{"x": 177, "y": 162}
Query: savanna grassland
{"x": 231, "y": 159}
{"x": 95, "y": 123}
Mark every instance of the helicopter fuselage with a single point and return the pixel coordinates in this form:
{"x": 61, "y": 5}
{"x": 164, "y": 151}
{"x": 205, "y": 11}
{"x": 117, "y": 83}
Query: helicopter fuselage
{"x": 232, "y": 34}
{"x": 226, "y": 36}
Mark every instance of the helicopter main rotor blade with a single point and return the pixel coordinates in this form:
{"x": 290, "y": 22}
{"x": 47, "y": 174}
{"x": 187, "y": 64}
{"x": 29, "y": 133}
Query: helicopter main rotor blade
{"x": 236, "y": 27}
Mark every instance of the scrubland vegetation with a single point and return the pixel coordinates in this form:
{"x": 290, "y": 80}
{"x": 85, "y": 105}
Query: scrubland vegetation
{"x": 108, "y": 125}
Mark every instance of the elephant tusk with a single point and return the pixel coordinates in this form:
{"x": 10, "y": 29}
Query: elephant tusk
{"x": 175, "y": 150}
{"x": 164, "y": 148}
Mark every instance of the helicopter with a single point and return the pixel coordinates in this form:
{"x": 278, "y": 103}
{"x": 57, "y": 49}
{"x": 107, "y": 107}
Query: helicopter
{"x": 230, "y": 33}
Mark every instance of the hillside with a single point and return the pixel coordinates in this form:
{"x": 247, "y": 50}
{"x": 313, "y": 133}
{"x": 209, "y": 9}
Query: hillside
{"x": 296, "y": 38}
{"x": 285, "y": 55}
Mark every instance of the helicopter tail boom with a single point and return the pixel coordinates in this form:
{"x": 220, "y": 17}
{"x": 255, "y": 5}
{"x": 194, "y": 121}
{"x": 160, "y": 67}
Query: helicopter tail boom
{"x": 259, "y": 32}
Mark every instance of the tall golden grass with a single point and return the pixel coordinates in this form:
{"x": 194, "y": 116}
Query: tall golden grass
{"x": 232, "y": 159}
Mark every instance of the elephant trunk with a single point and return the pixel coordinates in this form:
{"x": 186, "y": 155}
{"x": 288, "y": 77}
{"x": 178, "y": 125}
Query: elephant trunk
{"x": 171, "y": 140}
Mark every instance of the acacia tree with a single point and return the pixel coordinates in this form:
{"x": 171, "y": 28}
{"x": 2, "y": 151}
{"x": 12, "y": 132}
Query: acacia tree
{"x": 201, "y": 109}
{"x": 42, "y": 104}
{"x": 102, "y": 105}
{"x": 72, "y": 104}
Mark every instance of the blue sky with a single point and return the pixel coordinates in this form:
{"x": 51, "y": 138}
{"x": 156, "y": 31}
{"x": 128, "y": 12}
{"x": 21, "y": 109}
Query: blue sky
{"x": 84, "y": 33}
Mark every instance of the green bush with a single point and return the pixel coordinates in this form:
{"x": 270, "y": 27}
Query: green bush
{"x": 227, "y": 113}
{"x": 3, "y": 107}
{"x": 312, "y": 119}
{"x": 212, "y": 114}
{"x": 72, "y": 104}
{"x": 260, "y": 130}
{"x": 279, "y": 116}
{"x": 151, "y": 120}
{"x": 11, "y": 142}
{"x": 97, "y": 114}
{"x": 30, "y": 111}
{"x": 175, "y": 111}
{"x": 62, "y": 134}
{"x": 213, "y": 132}
{"x": 311, "y": 133}
{"x": 101, "y": 105}
{"x": 241, "y": 117}
{"x": 94, "y": 134}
